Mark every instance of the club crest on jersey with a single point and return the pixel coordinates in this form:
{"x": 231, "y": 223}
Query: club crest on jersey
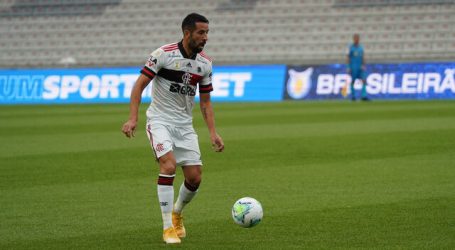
{"x": 177, "y": 65}
{"x": 199, "y": 70}
{"x": 159, "y": 147}
{"x": 299, "y": 83}
{"x": 186, "y": 78}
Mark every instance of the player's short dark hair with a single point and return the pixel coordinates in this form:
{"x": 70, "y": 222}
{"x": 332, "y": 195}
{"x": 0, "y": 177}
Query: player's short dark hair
{"x": 189, "y": 23}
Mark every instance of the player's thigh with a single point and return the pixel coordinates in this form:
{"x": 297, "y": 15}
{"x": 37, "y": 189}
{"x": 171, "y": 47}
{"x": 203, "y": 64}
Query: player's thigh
{"x": 160, "y": 138}
{"x": 186, "y": 148}
{"x": 356, "y": 74}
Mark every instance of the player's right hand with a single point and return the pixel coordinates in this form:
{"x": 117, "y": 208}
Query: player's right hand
{"x": 217, "y": 143}
{"x": 129, "y": 128}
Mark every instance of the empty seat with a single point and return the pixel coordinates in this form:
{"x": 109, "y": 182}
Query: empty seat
{"x": 112, "y": 32}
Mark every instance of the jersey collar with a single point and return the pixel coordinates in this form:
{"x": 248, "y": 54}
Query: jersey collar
{"x": 183, "y": 52}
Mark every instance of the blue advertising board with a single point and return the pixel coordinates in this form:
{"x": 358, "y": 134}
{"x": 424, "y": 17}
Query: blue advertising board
{"x": 55, "y": 86}
{"x": 248, "y": 83}
{"x": 114, "y": 85}
{"x": 232, "y": 83}
{"x": 384, "y": 81}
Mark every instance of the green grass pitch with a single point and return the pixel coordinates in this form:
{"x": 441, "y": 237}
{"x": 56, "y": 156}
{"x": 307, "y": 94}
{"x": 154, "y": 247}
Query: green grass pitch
{"x": 342, "y": 175}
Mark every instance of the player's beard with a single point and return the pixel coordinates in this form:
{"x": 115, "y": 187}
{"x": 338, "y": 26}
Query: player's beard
{"x": 196, "y": 48}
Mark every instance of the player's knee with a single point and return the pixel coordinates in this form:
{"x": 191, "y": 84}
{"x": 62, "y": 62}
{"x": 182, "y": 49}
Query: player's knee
{"x": 194, "y": 181}
{"x": 167, "y": 169}
{"x": 167, "y": 165}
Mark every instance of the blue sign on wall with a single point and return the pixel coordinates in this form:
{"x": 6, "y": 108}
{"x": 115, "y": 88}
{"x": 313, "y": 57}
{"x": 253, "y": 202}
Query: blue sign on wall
{"x": 67, "y": 85}
{"x": 384, "y": 81}
{"x": 248, "y": 83}
{"x": 114, "y": 85}
{"x": 232, "y": 83}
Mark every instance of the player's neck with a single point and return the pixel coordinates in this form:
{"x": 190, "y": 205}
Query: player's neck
{"x": 189, "y": 52}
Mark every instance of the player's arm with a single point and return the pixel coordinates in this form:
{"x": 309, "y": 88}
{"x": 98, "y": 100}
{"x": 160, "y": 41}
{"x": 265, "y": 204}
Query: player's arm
{"x": 130, "y": 126}
{"x": 348, "y": 61}
{"x": 363, "y": 61}
{"x": 209, "y": 118}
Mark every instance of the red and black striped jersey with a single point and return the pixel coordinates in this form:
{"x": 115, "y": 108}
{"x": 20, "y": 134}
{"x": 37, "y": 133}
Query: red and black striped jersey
{"x": 176, "y": 78}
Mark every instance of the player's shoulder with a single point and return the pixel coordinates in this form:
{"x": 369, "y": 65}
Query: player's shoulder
{"x": 202, "y": 56}
{"x": 169, "y": 47}
{"x": 165, "y": 49}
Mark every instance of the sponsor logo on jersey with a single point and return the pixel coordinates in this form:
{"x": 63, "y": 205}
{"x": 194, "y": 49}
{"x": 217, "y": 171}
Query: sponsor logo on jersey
{"x": 151, "y": 62}
{"x": 156, "y": 53}
{"x": 173, "y": 55}
{"x": 201, "y": 60}
{"x": 299, "y": 83}
{"x": 184, "y": 90}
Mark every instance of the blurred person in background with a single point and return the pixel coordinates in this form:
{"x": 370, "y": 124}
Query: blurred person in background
{"x": 356, "y": 67}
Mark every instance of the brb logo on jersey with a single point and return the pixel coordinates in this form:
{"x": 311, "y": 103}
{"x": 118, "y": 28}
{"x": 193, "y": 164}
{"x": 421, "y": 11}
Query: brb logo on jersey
{"x": 299, "y": 83}
{"x": 186, "y": 89}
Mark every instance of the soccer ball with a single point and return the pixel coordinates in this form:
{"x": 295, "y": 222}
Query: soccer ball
{"x": 247, "y": 212}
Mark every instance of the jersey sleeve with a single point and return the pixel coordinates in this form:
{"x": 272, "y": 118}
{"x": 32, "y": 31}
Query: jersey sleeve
{"x": 205, "y": 85}
{"x": 153, "y": 64}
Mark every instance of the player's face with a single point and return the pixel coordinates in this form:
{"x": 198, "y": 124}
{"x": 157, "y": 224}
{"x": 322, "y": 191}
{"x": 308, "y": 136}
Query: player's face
{"x": 199, "y": 37}
{"x": 356, "y": 39}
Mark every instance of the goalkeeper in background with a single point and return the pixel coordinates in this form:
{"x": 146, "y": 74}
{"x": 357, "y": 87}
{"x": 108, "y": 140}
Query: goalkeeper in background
{"x": 356, "y": 67}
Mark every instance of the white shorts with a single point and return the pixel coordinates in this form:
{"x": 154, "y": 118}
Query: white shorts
{"x": 183, "y": 141}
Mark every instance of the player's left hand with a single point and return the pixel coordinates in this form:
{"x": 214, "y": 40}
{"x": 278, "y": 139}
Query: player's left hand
{"x": 217, "y": 143}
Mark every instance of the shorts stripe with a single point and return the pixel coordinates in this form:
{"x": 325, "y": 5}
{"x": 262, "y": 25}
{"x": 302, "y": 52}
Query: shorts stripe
{"x": 149, "y": 131}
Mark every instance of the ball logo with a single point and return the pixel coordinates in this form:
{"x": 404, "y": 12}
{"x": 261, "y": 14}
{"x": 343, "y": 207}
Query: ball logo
{"x": 299, "y": 83}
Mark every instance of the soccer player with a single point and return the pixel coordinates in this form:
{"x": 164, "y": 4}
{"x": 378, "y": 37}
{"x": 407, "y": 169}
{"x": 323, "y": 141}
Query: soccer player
{"x": 177, "y": 70}
{"x": 356, "y": 66}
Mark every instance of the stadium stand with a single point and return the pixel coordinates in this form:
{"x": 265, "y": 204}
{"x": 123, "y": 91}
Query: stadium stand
{"x": 56, "y": 33}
